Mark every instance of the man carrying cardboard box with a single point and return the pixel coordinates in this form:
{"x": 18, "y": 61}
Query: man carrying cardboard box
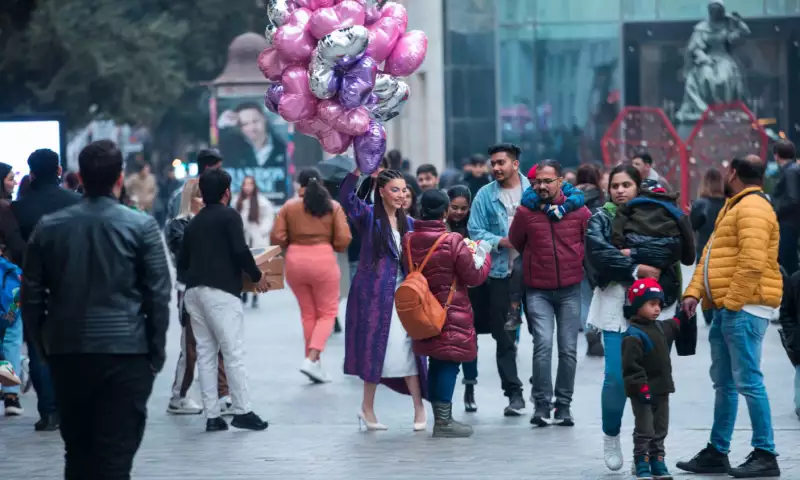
{"x": 214, "y": 255}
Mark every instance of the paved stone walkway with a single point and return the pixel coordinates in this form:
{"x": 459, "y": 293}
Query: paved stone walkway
{"x": 313, "y": 429}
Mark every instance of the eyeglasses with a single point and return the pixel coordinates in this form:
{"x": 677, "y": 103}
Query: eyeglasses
{"x": 545, "y": 181}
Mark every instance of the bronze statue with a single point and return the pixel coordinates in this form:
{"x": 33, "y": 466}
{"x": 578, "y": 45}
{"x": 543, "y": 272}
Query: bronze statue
{"x": 713, "y": 75}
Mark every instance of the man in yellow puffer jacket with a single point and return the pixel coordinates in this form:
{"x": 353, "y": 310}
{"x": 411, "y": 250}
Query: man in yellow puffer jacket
{"x": 738, "y": 277}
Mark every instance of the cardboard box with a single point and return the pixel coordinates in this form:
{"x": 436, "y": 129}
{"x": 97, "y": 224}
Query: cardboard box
{"x": 271, "y": 264}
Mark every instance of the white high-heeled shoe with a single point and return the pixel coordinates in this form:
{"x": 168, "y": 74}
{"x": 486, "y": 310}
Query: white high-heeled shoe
{"x": 370, "y": 427}
{"x": 421, "y": 426}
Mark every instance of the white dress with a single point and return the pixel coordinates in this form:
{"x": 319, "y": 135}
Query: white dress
{"x": 399, "y": 360}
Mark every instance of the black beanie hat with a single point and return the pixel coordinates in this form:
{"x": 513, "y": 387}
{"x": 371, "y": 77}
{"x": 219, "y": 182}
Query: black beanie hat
{"x": 433, "y": 204}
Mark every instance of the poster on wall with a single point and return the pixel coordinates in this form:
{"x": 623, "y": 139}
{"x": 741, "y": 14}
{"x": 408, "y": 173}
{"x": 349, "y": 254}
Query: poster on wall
{"x": 254, "y": 143}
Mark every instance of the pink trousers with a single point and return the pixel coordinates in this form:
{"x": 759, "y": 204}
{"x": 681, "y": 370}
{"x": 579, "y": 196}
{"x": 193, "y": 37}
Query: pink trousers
{"x": 313, "y": 275}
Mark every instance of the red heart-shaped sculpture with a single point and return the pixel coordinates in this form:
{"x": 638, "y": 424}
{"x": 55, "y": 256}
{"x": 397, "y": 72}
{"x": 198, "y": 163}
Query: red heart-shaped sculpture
{"x": 345, "y": 14}
{"x": 351, "y": 122}
{"x": 297, "y": 103}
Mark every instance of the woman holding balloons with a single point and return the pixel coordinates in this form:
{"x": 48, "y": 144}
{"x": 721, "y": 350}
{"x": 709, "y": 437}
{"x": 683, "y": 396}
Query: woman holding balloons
{"x": 335, "y": 68}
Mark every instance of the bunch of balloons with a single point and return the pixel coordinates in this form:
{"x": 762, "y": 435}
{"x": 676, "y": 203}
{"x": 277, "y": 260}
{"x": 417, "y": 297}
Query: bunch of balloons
{"x": 324, "y": 58}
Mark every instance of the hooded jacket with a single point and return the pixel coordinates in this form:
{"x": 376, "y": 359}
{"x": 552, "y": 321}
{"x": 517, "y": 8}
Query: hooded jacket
{"x": 452, "y": 260}
{"x": 740, "y": 264}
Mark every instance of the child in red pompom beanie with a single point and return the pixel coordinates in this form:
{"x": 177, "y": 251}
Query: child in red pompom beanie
{"x": 647, "y": 372}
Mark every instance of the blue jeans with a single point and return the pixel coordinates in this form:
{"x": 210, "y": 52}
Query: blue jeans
{"x": 587, "y": 292}
{"x": 42, "y": 383}
{"x": 612, "y": 398}
{"x": 12, "y": 350}
{"x": 736, "y": 340}
{"x": 558, "y": 310}
{"x": 442, "y": 380}
{"x": 470, "y": 370}
{"x": 796, "y": 387}
{"x": 3, "y": 327}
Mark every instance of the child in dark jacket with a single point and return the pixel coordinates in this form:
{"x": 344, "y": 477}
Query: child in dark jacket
{"x": 647, "y": 373}
{"x": 656, "y": 232}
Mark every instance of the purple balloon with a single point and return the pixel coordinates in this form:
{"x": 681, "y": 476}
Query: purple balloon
{"x": 370, "y": 147}
{"x": 357, "y": 83}
{"x": 273, "y": 98}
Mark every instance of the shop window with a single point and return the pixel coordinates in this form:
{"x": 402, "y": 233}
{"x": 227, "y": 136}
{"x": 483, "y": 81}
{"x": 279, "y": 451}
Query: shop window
{"x": 576, "y": 10}
{"x": 692, "y": 9}
{"x": 639, "y": 10}
{"x": 515, "y": 11}
{"x": 559, "y": 89}
{"x": 782, "y": 7}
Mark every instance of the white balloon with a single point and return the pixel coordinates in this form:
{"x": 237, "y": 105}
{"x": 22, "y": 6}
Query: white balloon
{"x": 278, "y": 11}
{"x": 345, "y": 46}
{"x": 322, "y": 78}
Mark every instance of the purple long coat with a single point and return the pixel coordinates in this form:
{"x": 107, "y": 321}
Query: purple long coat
{"x": 371, "y": 300}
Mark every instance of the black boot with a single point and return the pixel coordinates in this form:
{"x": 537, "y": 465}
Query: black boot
{"x": 759, "y": 464}
{"x": 337, "y": 327}
{"x": 709, "y": 460}
{"x": 244, "y": 298}
{"x": 50, "y": 422}
{"x": 469, "y": 399}
{"x": 594, "y": 344}
{"x": 216, "y": 425}
{"x": 249, "y": 421}
{"x": 444, "y": 426}
{"x": 255, "y": 301}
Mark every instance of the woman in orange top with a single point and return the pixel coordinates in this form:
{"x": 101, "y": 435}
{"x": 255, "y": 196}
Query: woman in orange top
{"x": 313, "y": 227}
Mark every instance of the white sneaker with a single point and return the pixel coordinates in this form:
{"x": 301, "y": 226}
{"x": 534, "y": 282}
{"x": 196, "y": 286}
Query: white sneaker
{"x": 612, "y": 452}
{"x": 8, "y": 378}
{"x": 225, "y": 406}
{"x": 184, "y": 406}
{"x": 314, "y": 371}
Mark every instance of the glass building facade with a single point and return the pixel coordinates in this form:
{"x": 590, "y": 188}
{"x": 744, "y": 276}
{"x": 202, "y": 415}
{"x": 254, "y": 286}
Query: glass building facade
{"x": 551, "y": 76}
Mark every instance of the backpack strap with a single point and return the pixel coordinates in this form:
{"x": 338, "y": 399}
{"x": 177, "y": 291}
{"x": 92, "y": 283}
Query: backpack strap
{"x": 427, "y": 257}
{"x": 425, "y": 262}
{"x": 639, "y": 334}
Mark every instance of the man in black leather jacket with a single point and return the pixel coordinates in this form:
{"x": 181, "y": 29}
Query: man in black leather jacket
{"x": 44, "y": 197}
{"x": 786, "y": 201}
{"x": 95, "y": 301}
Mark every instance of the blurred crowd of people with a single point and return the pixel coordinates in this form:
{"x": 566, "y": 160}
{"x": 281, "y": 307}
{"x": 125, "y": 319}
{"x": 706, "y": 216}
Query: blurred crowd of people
{"x": 594, "y": 250}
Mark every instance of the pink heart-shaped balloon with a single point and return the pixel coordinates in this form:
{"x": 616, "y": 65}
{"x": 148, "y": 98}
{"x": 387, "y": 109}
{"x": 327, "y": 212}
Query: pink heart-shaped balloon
{"x": 351, "y": 122}
{"x": 297, "y": 103}
{"x": 396, "y": 11}
{"x": 335, "y": 142}
{"x": 331, "y": 140}
{"x": 314, "y": 4}
{"x": 346, "y": 14}
{"x": 293, "y": 40}
{"x": 271, "y": 64}
{"x": 383, "y": 36}
{"x": 408, "y": 54}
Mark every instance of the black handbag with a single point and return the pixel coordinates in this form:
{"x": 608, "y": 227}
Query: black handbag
{"x": 686, "y": 341}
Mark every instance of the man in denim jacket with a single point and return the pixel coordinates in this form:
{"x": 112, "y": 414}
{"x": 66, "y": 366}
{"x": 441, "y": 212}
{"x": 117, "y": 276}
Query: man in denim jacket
{"x": 492, "y": 211}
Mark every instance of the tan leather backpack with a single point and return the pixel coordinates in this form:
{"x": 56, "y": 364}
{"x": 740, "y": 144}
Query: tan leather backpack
{"x": 420, "y": 312}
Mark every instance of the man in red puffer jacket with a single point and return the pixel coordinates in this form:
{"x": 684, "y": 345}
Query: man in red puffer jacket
{"x": 552, "y": 262}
